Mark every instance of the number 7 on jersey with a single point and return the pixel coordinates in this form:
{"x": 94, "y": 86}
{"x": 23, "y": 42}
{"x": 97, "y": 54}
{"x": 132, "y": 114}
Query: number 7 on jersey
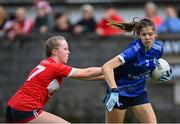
{"x": 40, "y": 69}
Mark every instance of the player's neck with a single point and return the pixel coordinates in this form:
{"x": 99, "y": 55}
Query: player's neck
{"x": 55, "y": 59}
{"x": 147, "y": 48}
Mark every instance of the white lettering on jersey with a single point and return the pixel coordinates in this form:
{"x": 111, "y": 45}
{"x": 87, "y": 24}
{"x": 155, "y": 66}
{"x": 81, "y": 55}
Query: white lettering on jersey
{"x": 147, "y": 62}
{"x": 136, "y": 47}
{"x": 140, "y": 76}
{"x": 53, "y": 86}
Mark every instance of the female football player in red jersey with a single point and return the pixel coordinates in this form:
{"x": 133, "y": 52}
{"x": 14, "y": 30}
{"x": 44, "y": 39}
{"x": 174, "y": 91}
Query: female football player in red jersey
{"x": 27, "y": 103}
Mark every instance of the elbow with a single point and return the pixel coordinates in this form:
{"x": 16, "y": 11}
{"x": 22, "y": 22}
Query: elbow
{"x": 88, "y": 73}
{"x": 105, "y": 67}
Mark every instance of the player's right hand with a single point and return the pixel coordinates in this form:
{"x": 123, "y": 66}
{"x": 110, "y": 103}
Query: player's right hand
{"x": 111, "y": 99}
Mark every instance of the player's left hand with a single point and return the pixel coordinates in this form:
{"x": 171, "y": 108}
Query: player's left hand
{"x": 166, "y": 76}
{"x": 111, "y": 99}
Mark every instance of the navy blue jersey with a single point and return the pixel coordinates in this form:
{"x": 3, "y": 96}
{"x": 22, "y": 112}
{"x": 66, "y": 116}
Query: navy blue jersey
{"x": 137, "y": 65}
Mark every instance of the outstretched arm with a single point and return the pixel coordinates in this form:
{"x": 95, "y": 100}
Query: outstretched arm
{"x": 108, "y": 71}
{"x": 91, "y": 73}
{"x": 101, "y": 77}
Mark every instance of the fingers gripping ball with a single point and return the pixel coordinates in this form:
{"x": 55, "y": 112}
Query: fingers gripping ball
{"x": 111, "y": 99}
{"x": 162, "y": 72}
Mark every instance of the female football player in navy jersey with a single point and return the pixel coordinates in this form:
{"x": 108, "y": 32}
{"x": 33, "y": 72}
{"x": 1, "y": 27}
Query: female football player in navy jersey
{"x": 126, "y": 73}
{"x": 27, "y": 103}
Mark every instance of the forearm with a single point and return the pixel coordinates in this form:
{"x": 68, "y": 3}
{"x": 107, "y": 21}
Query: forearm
{"x": 87, "y": 73}
{"x": 101, "y": 77}
{"x": 93, "y": 72}
{"x": 109, "y": 76}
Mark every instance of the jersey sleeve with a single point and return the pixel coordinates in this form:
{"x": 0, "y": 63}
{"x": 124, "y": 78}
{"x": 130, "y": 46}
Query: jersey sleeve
{"x": 63, "y": 70}
{"x": 129, "y": 53}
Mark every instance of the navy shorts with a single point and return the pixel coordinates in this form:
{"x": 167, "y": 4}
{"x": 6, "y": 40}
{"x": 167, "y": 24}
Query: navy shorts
{"x": 17, "y": 116}
{"x": 132, "y": 101}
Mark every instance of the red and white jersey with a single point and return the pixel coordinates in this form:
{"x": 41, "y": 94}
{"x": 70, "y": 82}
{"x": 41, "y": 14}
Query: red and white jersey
{"x": 41, "y": 83}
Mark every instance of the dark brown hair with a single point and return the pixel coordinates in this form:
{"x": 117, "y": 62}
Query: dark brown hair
{"x": 51, "y": 44}
{"x": 134, "y": 26}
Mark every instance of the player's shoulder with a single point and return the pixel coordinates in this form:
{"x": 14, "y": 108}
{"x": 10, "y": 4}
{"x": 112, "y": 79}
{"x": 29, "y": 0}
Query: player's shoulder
{"x": 158, "y": 45}
{"x": 52, "y": 65}
{"x": 135, "y": 44}
{"x": 49, "y": 64}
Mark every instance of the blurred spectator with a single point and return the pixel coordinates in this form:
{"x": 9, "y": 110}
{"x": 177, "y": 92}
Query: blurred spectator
{"x": 103, "y": 29}
{"x": 9, "y": 23}
{"x": 171, "y": 23}
{"x": 20, "y": 25}
{"x": 152, "y": 13}
{"x": 63, "y": 23}
{"x": 43, "y": 21}
{"x": 43, "y": 4}
{"x": 3, "y": 20}
{"x": 87, "y": 23}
